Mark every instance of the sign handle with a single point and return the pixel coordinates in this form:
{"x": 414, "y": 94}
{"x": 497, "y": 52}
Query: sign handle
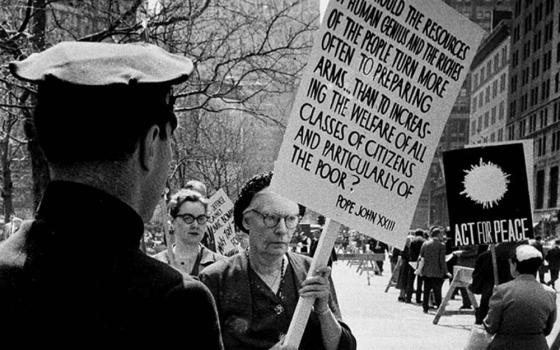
{"x": 304, "y": 305}
{"x": 494, "y": 263}
{"x": 170, "y": 254}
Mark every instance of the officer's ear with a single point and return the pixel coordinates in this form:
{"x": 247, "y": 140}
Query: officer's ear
{"x": 148, "y": 148}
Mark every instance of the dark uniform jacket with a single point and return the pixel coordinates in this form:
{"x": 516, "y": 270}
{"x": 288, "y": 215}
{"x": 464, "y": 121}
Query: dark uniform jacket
{"x": 75, "y": 277}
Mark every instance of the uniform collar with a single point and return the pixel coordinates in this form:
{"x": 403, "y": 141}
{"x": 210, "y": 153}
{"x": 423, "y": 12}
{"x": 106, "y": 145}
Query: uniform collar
{"x": 82, "y": 212}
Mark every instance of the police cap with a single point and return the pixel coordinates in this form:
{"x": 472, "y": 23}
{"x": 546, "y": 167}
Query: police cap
{"x": 99, "y": 64}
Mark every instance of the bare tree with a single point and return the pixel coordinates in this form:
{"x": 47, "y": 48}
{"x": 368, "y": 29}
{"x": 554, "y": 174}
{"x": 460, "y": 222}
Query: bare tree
{"x": 245, "y": 53}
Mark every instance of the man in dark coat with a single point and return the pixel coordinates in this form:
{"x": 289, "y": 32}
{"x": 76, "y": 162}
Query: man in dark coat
{"x": 553, "y": 259}
{"x": 434, "y": 269}
{"x": 537, "y": 243}
{"x": 104, "y": 119}
{"x": 414, "y": 253}
{"x": 483, "y": 276}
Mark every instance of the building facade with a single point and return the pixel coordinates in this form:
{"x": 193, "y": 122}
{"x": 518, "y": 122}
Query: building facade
{"x": 432, "y": 205}
{"x": 534, "y": 100}
{"x": 489, "y": 93}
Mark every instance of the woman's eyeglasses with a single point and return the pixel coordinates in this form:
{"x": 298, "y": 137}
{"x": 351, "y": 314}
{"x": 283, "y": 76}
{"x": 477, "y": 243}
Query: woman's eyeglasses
{"x": 189, "y": 219}
{"x": 272, "y": 220}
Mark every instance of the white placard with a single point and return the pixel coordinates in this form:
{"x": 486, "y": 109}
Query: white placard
{"x": 221, "y": 221}
{"x": 372, "y": 104}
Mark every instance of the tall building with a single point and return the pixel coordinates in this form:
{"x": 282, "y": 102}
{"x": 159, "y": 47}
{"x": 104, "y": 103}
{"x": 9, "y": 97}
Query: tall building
{"x": 485, "y": 13}
{"x": 432, "y": 205}
{"x": 489, "y": 94}
{"x": 534, "y": 101}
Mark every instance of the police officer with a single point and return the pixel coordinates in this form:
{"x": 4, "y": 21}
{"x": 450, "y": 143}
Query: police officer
{"x": 104, "y": 118}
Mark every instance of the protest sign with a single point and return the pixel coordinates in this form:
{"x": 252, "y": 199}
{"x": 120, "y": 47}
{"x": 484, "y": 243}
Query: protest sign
{"x": 220, "y": 223}
{"x": 372, "y": 104}
{"x": 488, "y": 194}
{"x": 527, "y": 152}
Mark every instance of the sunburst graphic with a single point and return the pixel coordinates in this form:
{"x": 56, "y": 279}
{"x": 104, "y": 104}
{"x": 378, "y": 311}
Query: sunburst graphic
{"x": 485, "y": 184}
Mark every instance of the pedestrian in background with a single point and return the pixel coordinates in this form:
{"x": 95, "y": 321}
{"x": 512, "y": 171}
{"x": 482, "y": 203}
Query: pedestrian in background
{"x": 197, "y": 186}
{"x": 539, "y": 246}
{"x": 189, "y": 216}
{"x": 483, "y": 275}
{"x": 414, "y": 252}
{"x": 405, "y": 268}
{"x": 553, "y": 259}
{"x": 434, "y": 268}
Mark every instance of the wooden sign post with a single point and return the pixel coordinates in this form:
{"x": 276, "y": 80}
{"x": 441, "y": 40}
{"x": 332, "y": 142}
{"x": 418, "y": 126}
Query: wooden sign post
{"x": 494, "y": 264}
{"x": 304, "y": 305}
{"x": 357, "y": 148}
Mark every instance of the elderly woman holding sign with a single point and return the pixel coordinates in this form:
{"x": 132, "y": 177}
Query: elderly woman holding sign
{"x": 188, "y": 211}
{"x": 257, "y": 292}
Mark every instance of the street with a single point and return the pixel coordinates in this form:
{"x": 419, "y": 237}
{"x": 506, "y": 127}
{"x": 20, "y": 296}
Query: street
{"x": 379, "y": 321}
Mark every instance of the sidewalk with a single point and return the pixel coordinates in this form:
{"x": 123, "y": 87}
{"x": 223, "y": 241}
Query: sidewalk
{"x": 379, "y": 321}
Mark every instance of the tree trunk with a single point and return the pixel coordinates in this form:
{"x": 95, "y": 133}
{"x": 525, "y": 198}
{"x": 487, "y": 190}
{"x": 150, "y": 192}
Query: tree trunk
{"x": 7, "y": 184}
{"x": 39, "y": 168}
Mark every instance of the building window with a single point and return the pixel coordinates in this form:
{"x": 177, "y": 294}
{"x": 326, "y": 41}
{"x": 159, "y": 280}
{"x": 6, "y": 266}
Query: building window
{"x": 528, "y": 24}
{"x": 553, "y": 187}
{"x": 511, "y": 132}
{"x": 500, "y": 135}
{"x": 486, "y": 119}
{"x": 501, "y": 110}
{"x": 543, "y": 118}
{"x": 480, "y": 99}
{"x": 502, "y": 82}
{"x": 487, "y": 94}
{"x": 522, "y": 125}
{"x": 541, "y": 146}
{"x": 513, "y": 109}
{"x": 556, "y": 114}
{"x": 532, "y": 123}
{"x": 492, "y": 137}
{"x": 474, "y": 104}
{"x": 473, "y": 127}
{"x": 504, "y": 55}
{"x": 537, "y": 41}
{"x": 536, "y": 68}
{"x": 493, "y": 116}
{"x": 495, "y": 88}
{"x": 555, "y": 146}
{"x": 540, "y": 189}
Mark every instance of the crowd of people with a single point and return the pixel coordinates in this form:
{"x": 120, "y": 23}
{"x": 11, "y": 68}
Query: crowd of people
{"x": 104, "y": 119}
{"x": 515, "y": 307}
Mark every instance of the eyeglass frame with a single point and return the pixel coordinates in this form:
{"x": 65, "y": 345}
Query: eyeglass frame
{"x": 275, "y": 217}
{"x": 193, "y": 218}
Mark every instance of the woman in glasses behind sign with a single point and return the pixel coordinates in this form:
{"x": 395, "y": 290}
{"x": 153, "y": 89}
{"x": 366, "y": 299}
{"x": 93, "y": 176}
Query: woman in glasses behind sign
{"x": 257, "y": 291}
{"x": 188, "y": 211}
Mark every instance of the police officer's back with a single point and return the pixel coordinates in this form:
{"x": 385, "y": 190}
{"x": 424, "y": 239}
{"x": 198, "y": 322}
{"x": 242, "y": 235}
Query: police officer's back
{"x": 104, "y": 119}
